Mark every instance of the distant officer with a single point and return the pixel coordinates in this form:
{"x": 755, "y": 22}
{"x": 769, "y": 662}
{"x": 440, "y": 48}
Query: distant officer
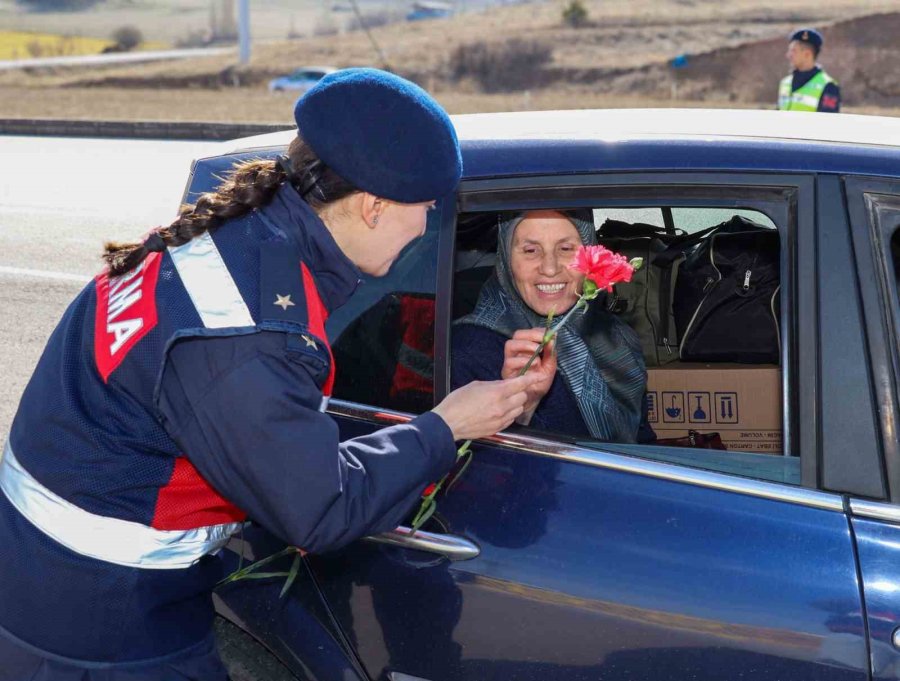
{"x": 808, "y": 88}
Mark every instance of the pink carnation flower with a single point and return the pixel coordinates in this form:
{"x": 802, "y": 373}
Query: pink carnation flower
{"x": 602, "y": 266}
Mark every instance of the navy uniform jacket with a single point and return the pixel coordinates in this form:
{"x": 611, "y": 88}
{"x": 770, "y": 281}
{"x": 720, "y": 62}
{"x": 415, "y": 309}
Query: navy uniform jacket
{"x": 172, "y": 403}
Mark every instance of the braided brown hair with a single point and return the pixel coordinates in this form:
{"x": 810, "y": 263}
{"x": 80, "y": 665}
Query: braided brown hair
{"x": 249, "y": 185}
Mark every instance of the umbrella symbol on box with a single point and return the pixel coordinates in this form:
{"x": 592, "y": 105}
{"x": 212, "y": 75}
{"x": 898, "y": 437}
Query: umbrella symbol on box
{"x": 674, "y": 406}
{"x": 673, "y": 411}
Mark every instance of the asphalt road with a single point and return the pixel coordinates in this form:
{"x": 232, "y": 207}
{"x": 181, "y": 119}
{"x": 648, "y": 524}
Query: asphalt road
{"x": 60, "y": 198}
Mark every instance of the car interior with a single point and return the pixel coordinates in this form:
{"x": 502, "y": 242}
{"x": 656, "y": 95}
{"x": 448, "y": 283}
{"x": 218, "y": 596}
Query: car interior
{"x": 706, "y": 307}
{"x": 714, "y": 394}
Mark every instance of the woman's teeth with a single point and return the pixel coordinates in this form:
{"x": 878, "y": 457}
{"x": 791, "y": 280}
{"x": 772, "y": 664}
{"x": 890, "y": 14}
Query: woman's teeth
{"x": 550, "y": 288}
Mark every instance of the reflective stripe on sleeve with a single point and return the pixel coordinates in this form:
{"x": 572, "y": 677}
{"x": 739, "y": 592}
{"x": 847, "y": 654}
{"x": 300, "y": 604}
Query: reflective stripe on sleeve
{"x": 122, "y": 542}
{"x": 209, "y": 284}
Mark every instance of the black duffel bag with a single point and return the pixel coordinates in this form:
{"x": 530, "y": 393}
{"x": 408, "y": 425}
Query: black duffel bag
{"x": 726, "y": 304}
{"x": 645, "y": 303}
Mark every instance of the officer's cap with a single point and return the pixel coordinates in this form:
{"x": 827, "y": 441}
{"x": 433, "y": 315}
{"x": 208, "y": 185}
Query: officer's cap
{"x": 381, "y": 133}
{"x": 810, "y": 36}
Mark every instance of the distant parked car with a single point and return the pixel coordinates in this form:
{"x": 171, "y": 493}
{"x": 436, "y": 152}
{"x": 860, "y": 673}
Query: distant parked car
{"x": 300, "y": 80}
{"x": 430, "y": 10}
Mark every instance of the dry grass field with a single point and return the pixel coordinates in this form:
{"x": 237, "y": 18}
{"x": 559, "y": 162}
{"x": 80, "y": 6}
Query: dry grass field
{"x": 735, "y": 53}
{"x": 25, "y": 44}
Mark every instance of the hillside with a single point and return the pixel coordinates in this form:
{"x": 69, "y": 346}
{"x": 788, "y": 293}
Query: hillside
{"x": 735, "y": 54}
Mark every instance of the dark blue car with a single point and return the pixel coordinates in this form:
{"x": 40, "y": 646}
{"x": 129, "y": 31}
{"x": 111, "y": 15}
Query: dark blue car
{"x": 557, "y": 557}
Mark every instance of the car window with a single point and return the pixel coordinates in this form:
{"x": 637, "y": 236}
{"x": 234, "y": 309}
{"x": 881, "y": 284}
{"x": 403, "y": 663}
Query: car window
{"x": 887, "y": 214}
{"x": 383, "y": 337}
{"x": 690, "y": 220}
{"x": 703, "y": 315}
{"x": 649, "y": 216}
{"x": 693, "y": 220}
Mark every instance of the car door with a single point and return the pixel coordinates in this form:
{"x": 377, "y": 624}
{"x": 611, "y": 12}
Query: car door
{"x": 565, "y": 559}
{"x": 874, "y": 209}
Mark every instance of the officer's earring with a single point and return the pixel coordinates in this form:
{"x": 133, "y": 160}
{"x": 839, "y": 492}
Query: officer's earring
{"x": 375, "y": 221}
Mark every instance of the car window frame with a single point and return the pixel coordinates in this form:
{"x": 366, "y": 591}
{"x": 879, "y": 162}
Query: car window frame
{"x": 871, "y": 237}
{"x": 795, "y": 191}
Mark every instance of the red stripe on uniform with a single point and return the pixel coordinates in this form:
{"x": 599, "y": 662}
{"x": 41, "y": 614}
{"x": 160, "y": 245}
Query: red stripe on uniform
{"x": 317, "y": 315}
{"x": 187, "y": 501}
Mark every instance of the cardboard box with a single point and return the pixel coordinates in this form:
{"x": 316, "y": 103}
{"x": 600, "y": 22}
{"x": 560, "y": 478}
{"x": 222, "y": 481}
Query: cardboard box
{"x": 741, "y": 402}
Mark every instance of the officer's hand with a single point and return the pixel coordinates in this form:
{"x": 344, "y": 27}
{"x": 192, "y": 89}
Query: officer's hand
{"x": 483, "y": 408}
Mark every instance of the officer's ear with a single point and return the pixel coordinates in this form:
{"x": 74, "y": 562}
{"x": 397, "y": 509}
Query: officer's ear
{"x": 372, "y": 208}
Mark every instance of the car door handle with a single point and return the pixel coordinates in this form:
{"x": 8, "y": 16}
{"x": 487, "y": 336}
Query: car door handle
{"x": 447, "y": 545}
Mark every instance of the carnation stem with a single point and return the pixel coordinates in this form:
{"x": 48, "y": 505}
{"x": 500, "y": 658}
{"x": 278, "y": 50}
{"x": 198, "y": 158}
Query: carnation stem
{"x": 551, "y": 334}
{"x": 428, "y": 505}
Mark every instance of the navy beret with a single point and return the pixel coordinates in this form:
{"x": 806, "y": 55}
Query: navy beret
{"x": 808, "y": 35}
{"x": 381, "y": 133}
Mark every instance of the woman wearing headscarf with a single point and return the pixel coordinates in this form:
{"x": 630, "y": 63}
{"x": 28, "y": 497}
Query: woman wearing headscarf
{"x": 593, "y": 377}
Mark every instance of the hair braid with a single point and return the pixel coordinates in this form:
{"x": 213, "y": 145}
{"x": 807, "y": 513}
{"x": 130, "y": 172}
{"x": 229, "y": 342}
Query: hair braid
{"x": 249, "y": 185}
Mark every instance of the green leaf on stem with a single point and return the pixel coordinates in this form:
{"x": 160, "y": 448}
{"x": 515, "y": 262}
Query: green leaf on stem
{"x": 264, "y": 575}
{"x": 462, "y": 451}
{"x": 426, "y": 510}
{"x": 459, "y": 473}
{"x": 245, "y": 573}
{"x": 636, "y": 263}
{"x": 589, "y": 289}
{"x": 292, "y": 575}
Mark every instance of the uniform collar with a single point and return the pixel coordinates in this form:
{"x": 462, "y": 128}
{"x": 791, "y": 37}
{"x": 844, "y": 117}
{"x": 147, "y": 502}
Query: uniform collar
{"x": 335, "y": 274}
{"x": 801, "y": 78}
{"x": 809, "y": 72}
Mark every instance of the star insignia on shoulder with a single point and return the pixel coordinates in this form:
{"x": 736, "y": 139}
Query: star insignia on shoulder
{"x": 284, "y": 302}
{"x": 310, "y": 343}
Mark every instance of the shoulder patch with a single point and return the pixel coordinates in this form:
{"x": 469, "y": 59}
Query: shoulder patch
{"x": 126, "y": 312}
{"x": 290, "y": 302}
{"x": 282, "y": 298}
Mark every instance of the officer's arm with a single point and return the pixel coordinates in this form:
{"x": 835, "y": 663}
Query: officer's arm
{"x": 830, "y": 101}
{"x": 245, "y": 412}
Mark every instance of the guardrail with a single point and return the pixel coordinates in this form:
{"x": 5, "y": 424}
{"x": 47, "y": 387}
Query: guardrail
{"x": 163, "y": 130}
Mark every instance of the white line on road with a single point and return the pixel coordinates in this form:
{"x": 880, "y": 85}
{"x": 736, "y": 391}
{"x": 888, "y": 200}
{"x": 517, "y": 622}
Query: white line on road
{"x": 62, "y": 276}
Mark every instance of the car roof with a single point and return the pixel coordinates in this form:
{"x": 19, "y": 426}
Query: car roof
{"x": 614, "y": 124}
{"x": 533, "y": 142}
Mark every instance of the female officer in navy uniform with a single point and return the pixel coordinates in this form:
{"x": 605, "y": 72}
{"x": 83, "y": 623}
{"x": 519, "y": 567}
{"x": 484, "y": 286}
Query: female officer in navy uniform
{"x": 184, "y": 389}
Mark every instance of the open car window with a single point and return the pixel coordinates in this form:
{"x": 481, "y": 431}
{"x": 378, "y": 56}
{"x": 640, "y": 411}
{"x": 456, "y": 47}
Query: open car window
{"x": 383, "y": 337}
{"x": 706, "y": 311}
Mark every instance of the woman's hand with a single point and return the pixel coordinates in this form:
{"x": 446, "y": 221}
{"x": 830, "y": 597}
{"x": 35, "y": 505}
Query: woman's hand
{"x": 483, "y": 408}
{"x": 516, "y": 353}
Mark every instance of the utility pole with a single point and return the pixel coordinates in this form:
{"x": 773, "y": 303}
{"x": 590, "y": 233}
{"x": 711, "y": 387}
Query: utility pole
{"x": 244, "y": 30}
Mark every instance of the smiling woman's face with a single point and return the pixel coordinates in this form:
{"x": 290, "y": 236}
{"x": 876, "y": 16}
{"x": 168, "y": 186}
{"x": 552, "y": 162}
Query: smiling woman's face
{"x": 543, "y": 245}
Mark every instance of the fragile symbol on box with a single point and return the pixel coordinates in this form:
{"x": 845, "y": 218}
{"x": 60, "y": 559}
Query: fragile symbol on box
{"x": 652, "y": 415}
{"x": 673, "y": 407}
{"x": 726, "y": 408}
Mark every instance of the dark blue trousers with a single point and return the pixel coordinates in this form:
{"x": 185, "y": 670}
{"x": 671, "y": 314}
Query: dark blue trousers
{"x": 19, "y": 662}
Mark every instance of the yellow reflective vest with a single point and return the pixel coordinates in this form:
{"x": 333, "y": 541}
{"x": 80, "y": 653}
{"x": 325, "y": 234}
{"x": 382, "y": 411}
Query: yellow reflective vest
{"x": 805, "y": 98}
